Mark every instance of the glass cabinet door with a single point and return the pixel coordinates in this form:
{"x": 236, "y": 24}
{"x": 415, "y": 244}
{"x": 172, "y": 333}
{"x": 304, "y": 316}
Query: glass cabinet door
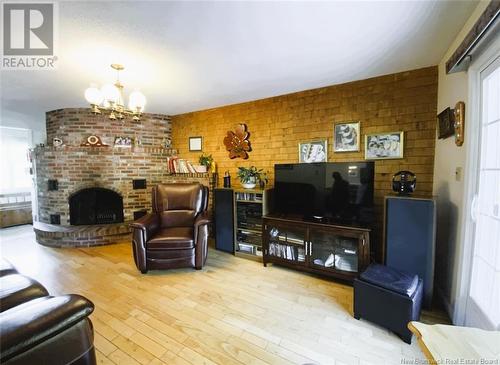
{"x": 330, "y": 251}
{"x": 286, "y": 243}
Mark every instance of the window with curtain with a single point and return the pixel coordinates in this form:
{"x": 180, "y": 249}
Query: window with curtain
{"x": 14, "y": 163}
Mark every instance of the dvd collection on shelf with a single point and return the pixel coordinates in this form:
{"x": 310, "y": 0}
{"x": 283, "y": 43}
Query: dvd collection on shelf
{"x": 287, "y": 252}
{"x": 338, "y": 254}
{"x": 326, "y": 249}
{"x": 244, "y": 196}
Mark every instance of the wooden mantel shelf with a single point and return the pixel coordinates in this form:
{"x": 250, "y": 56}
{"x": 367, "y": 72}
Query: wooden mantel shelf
{"x": 110, "y": 148}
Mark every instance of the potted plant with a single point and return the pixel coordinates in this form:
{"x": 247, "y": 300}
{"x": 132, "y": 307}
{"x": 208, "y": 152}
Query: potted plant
{"x": 205, "y": 162}
{"x": 250, "y": 176}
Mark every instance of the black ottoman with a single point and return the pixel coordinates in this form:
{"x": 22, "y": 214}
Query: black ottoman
{"x": 389, "y": 298}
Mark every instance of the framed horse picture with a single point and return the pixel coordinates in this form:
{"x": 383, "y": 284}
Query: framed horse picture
{"x": 346, "y": 137}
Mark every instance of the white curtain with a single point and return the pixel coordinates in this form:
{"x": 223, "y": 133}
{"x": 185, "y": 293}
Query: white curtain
{"x": 14, "y": 163}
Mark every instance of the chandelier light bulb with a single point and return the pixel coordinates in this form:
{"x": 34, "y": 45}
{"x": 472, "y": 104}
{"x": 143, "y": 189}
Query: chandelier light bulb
{"x": 109, "y": 99}
{"x": 137, "y": 101}
{"x": 93, "y": 95}
{"x": 111, "y": 93}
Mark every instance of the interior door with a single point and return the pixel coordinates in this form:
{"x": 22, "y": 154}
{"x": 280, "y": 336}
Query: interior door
{"x": 483, "y": 302}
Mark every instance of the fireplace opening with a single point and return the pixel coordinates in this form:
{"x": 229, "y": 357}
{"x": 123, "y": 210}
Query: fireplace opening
{"x": 95, "y": 206}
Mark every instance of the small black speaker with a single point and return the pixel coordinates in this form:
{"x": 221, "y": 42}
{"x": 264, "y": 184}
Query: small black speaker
{"x": 224, "y": 219}
{"x": 55, "y": 219}
{"x": 139, "y": 184}
{"x": 140, "y": 213}
{"x": 53, "y": 185}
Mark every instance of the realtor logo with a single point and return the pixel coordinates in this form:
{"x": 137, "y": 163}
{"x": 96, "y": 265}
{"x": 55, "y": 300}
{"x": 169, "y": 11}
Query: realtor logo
{"x": 28, "y": 30}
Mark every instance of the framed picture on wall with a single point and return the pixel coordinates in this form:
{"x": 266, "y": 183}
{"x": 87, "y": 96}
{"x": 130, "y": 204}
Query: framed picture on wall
{"x": 195, "y": 143}
{"x": 123, "y": 141}
{"x": 383, "y": 146}
{"x": 446, "y": 124}
{"x": 313, "y": 151}
{"x": 346, "y": 137}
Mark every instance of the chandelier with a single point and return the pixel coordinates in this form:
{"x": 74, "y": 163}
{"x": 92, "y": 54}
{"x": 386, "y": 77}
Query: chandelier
{"x": 110, "y": 99}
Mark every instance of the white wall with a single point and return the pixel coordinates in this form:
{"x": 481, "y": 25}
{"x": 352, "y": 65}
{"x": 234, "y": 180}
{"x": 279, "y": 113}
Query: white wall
{"x": 448, "y": 187}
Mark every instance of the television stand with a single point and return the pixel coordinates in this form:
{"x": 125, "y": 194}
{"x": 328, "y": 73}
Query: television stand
{"x": 338, "y": 251}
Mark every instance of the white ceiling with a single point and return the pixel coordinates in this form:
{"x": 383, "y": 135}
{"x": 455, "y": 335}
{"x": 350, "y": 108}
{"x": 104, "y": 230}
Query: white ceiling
{"x": 187, "y": 56}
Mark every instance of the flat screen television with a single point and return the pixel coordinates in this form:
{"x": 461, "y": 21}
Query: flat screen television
{"x": 337, "y": 192}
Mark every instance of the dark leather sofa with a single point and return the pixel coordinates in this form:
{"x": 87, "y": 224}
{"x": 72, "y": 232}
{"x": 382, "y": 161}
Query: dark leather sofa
{"x": 36, "y": 328}
{"x": 175, "y": 234}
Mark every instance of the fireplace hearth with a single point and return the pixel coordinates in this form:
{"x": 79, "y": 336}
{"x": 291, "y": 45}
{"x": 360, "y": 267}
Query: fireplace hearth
{"x": 95, "y": 206}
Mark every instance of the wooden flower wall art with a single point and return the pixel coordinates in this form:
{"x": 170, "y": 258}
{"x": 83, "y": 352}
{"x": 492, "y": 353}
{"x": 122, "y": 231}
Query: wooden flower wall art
{"x": 237, "y": 142}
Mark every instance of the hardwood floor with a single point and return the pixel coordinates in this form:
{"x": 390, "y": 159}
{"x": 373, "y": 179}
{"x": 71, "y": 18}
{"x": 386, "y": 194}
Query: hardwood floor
{"x": 234, "y": 311}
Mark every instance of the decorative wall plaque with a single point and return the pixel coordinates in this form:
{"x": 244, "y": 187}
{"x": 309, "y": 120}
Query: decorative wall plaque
{"x": 459, "y": 125}
{"x": 93, "y": 141}
{"x": 445, "y": 123}
{"x": 57, "y": 142}
{"x": 237, "y": 142}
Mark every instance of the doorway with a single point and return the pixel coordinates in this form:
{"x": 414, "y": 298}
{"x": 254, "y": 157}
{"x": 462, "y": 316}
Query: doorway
{"x": 483, "y": 297}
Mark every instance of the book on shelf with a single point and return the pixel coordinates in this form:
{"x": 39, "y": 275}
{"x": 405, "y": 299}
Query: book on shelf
{"x": 301, "y": 254}
{"x": 285, "y": 251}
{"x": 176, "y": 165}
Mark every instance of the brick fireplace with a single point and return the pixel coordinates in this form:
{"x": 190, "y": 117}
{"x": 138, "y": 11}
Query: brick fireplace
{"x": 87, "y": 195}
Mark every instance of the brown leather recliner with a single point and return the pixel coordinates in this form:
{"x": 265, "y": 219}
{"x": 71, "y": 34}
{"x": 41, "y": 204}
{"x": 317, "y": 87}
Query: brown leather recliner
{"x": 175, "y": 235}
